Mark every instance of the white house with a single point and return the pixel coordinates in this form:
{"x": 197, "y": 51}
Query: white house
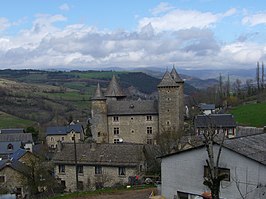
{"x": 243, "y": 158}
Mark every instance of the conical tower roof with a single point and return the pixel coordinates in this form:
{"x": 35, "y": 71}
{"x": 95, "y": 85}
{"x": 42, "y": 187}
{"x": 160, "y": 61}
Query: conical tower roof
{"x": 175, "y": 76}
{"x": 98, "y": 94}
{"x": 167, "y": 80}
{"x": 114, "y": 90}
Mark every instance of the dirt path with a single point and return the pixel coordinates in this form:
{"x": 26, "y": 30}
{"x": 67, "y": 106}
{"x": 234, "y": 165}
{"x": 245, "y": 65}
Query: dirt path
{"x": 132, "y": 194}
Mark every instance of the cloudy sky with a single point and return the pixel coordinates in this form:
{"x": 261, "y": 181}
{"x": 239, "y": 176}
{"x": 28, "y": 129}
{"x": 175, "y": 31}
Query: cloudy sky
{"x": 87, "y": 34}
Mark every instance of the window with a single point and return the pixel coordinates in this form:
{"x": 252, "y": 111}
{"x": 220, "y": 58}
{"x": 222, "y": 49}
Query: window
{"x": 121, "y": 171}
{"x": 98, "y": 169}
{"x": 61, "y": 168}
{"x": 52, "y": 139}
{"x": 149, "y": 118}
{"x": 52, "y": 146}
{"x": 63, "y": 183}
{"x": 149, "y": 130}
{"x": 149, "y": 141}
{"x": 80, "y": 169}
{"x": 2, "y": 179}
{"x": 115, "y": 119}
{"x": 10, "y": 147}
{"x": 63, "y": 138}
{"x": 99, "y": 134}
{"x": 182, "y": 195}
{"x": 116, "y": 140}
{"x": 220, "y": 171}
{"x": 116, "y": 130}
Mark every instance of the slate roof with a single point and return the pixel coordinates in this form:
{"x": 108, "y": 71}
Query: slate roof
{"x": 15, "y": 130}
{"x": 98, "y": 93}
{"x": 4, "y": 150}
{"x": 204, "y": 106}
{"x": 167, "y": 80}
{"x": 18, "y": 154}
{"x": 214, "y": 120}
{"x": 15, "y": 164}
{"x": 101, "y": 154}
{"x": 64, "y": 130}
{"x": 252, "y": 146}
{"x": 13, "y": 137}
{"x": 113, "y": 89}
{"x": 145, "y": 107}
{"x": 176, "y": 76}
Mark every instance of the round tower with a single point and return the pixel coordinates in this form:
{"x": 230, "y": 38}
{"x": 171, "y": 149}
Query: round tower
{"x": 99, "y": 117}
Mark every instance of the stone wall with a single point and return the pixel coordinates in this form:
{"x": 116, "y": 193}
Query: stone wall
{"x": 52, "y": 140}
{"x": 133, "y": 128}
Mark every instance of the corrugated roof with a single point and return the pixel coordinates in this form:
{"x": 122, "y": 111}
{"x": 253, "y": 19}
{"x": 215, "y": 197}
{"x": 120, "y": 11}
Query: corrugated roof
{"x": 101, "y": 154}
{"x": 167, "y": 80}
{"x": 113, "y": 89}
{"x": 145, "y": 107}
{"x": 13, "y": 137}
{"x": 98, "y": 93}
{"x": 63, "y": 130}
{"x": 214, "y": 120}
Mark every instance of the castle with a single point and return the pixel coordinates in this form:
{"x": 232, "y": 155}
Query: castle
{"x": 116, "y": 119}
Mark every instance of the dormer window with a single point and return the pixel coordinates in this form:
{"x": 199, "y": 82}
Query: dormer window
{"x": 10, "y": 147}
{"x": 115, "y": 119}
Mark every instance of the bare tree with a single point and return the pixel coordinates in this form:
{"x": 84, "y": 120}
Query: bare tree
{"x": 214, "y": 177}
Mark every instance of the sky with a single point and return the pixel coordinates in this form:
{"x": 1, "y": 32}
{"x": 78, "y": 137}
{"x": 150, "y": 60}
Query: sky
{"x": 85, "y": 34}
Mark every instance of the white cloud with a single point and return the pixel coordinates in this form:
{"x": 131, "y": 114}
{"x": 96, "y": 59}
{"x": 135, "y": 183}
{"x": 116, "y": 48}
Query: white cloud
{"x": 161, "y": 8}
{"x": 4, "y": 24}
{"x": 64, "y": 7}
{"x": 229, "y": 12}
{"x": 254, "y": 20}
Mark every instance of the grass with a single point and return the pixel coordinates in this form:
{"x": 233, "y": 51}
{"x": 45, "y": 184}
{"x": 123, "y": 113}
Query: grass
{"x": 9, "y": 121}
{"x": 250, "y": 114}
{"x": 100, "y": 191}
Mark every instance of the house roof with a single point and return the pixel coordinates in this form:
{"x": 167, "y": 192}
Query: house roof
{"x": 113, "y": 89}
{"x": 15, "y": 130}
{"x": 64, "y": 130}
{"x": 139, "y": 107}
{"x": 101, "y": 154}
{"x": 204, "y": 106}
{"x": 4, "y": 147}
{"x": 14, "y": 164}
{"x": 214, "y": 120}
{"x": 167, "y": 81}
{"x": 18, "y": 154}
{"x": 252, "y": 147}
{"x": 13, "y": 137}
{"x": 98, "y": 94}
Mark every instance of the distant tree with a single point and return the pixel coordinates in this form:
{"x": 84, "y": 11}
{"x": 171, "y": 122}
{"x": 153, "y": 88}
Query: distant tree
{"x": 262, "y": 76}
{"x": 258, "y": 76}
{"x": 33, "y": 131}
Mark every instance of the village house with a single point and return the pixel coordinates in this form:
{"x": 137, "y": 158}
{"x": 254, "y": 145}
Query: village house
{"x": 222, "y": 123}
{"x": 207, "y": 109}
{"x": 102, "y": 165}
{"x": 117, "y": 119}
{"x": 64, "y": 134}
{"x": 243, "y": 159}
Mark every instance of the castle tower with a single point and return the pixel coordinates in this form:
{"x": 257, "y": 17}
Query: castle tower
{"x": 114, "y": 91}
{"x": 99, "y": 116}
{"x": 171, "y": 102}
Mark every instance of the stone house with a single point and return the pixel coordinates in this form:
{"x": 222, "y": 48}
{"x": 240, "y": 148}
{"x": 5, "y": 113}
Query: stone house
{"x": 101, "y": 165}
{"x": 117, "y": 119}
{"x": 207, "y": 109}
{"x": 64, "y": 134}
{"x": 222, "y": 123}
{"x": 242, "y": 159}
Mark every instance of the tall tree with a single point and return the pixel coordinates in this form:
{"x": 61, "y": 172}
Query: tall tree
{"x": 214, "y": 177}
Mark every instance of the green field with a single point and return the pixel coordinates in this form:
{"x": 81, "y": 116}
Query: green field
{"x": 9, "y": 121}
{"x": 250, "y": 114}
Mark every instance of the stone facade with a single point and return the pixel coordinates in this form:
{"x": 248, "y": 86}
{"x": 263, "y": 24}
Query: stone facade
{"x": 52, "y": 140}
{"x": 89, "y": 180}
{"x": 116, "y": 119}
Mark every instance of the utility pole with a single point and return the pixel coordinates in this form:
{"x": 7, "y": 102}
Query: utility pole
{"x": 76, "y": 162}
